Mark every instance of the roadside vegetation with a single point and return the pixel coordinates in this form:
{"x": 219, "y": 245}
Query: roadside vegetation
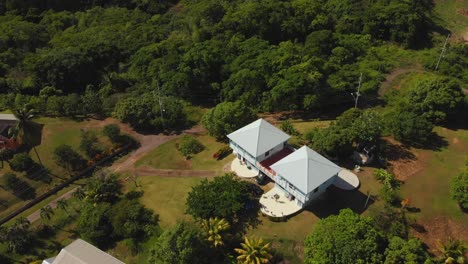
{"x": 195, "y": 71}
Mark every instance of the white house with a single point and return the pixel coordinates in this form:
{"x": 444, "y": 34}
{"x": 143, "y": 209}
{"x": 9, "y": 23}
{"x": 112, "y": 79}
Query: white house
{"x": 81, "y": 252}
{"x": 257, "y": 142}
{"x": 300, "y": 175}
{"x": 305, "y": 174}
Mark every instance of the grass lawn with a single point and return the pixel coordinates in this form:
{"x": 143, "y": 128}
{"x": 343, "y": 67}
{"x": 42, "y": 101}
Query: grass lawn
{"x": 166, "y": 196}
{"x": 167, "y": 156}
{"x": 55, "y": 131}
{"x": 449, "y": 14}
{"x": 429, "y": 188}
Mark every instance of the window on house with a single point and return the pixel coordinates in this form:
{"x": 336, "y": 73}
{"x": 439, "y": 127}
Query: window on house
{"x": 316, "y": 189}
{"x": 267, "y": 153}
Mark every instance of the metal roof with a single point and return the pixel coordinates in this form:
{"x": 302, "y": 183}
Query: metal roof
{"x": 8, "y": 117}
{"x": 306, "y": 169}
{"x": 81, "y": 252}
{"x": 258, "y": 137}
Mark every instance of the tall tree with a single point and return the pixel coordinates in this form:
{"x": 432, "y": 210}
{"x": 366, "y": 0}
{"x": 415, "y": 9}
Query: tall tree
{"x": 25, "y": 129}
{"x": 253, "y": 251}
{"x": 214, "y": 229}
{"x": 344, "y": 238}
{"x": 46, "y": 212}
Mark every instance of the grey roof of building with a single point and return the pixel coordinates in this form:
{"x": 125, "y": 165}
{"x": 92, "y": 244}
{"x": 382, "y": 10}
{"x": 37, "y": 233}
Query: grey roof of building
{"x": 306, "y": 169}
{"x": 81, "y": 252}
{"x": 258, "y": 137}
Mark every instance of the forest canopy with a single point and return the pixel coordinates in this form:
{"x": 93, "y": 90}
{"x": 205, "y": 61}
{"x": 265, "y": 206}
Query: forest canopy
{"x": 88, "y": 56}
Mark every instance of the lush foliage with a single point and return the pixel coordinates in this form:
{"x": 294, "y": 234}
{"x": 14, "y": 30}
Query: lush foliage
{"x": 180, "y": 245}
{"x": 189, "y": 145}
{"x": 253, "y": 251}
{"x": 21, "y": 162}
{"x": 103, "y": 187}
{"x": 227, "y": 117}
{"x": 400, "y": 251}
{"x": 66, "y": 157}
{"x": 17, "y": 237}
{"x": 210, "y": 198}
{"x": 344, "y": 238}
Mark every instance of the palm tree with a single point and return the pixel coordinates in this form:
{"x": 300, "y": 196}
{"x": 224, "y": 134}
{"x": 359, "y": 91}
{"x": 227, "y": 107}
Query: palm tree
{"x": 453, "y": 251}
{"x": 24, "y": 129}
{"x": 5, "y": 154}
{"x": 23, "y": 222}
{"x": 62, "y": 204}
{"x": 46, "y": 212}
{"x": 253, "y": 251}
{"x": 79, "y": 193}
{"x": 213, "y": 228}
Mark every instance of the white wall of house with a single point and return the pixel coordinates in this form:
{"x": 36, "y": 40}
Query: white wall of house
{"x": 291, "y": 189}
{"x": 321, "y": 189}
{"x": 271, "y": 152}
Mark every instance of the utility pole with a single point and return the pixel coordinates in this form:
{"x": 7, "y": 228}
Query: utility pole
{"x": 357, "y": 94}
{"x": 442, "y": 52}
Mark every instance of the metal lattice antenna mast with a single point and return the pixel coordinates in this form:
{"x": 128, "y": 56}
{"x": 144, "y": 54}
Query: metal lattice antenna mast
{"x": 442, "y": 52}
{"x": 357, "y": 94}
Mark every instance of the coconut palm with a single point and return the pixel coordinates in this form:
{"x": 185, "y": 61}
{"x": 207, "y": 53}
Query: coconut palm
{"x": 79, "y": 194}
{"x": 25, "y": 128}
{"x": 453, "y": 251}
{"x": 23, "y": 222}
{"x": 5, "y": 154}
{"x": 62, "y": 204}
{"x": 253, "y": 251}
{"x": 213, "y": 228}
{"x": 46, "y": 212}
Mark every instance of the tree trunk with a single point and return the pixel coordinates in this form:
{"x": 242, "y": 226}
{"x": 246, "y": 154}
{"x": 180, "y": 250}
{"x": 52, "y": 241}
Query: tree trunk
{"x": 38, "y": 158}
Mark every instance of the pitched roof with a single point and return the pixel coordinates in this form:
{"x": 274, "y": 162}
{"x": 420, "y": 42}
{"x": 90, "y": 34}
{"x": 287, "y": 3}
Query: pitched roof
{"x": 306, "y": 169}
{"x": 8, "y": 117}
{"x": 258, "y": 137}
{"x": 81, "y": 252}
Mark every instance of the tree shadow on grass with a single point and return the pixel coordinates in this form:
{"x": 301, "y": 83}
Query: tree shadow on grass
{"x": 334, "y": 199}
{"x": 393, "y": 152}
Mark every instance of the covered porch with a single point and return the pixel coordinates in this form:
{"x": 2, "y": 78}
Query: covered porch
{"x": 275, "y": 203}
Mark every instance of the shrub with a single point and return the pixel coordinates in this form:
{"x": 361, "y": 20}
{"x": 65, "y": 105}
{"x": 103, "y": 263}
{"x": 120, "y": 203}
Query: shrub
{"x": 390, "y": 196}
{"x": 112, "y": 131}
{"x": 459, "y": 188}
{"x": 21, "y": 162}
{"x": 90, "y": 144}
{"x": 288, "y": 127}
{"x": 66, "y": 157}
{"x": 222, "y": 153}
{"x": 10, "y": 181}
{"x": 189, "y": 146}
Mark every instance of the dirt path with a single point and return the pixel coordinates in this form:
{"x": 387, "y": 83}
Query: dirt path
{"x": 37, "y": 214}
{"x": 148, "y": 143}
{"x": 387, "y": 84}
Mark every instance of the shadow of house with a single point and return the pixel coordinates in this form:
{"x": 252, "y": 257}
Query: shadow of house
{"x": 335, "y": 199}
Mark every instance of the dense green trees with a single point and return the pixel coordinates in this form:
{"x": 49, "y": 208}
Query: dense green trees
{"x": 210, "y": 199}
{"x": 143, "y": 112}
{"x": 227, "y": 117}
{"x": 344, "y": 238}
{"x": 182, "y": 244}
{"x": 400, "y": 251}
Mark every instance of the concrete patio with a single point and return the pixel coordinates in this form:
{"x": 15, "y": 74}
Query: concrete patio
{"x": 346, "y": 180}
{"x": 279, "y": 206}
{"x": 242, "y": 170}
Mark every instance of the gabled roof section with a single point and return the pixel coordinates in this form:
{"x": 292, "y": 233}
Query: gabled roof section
{"x": 306, "y": 169}
{"x": 81, "y": 252}
{"x": 258, "y": 137}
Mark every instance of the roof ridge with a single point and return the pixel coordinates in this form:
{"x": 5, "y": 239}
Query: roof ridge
{"x": 323, "y": 163}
